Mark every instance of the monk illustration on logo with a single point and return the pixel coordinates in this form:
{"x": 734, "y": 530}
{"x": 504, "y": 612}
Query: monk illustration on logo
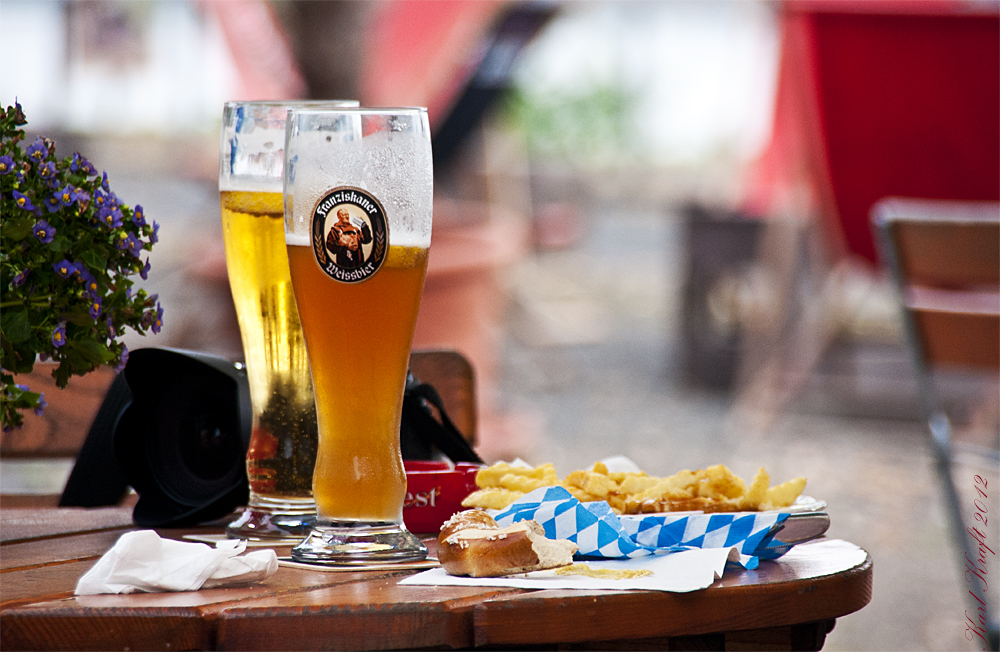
{"x": 346, "y": 238}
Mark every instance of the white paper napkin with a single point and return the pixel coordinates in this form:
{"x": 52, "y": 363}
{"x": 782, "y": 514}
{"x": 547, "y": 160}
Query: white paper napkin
{"x": 143, "y": 561}
{"x": 677, "y": 572}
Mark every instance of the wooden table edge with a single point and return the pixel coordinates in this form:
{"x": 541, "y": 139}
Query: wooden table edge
{"x": 492, "y": 618}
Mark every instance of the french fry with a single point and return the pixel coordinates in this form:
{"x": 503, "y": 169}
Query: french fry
{"x": 784, "y": 494}
{"x": 713, "y": 489}
{"x": 491, "y": 498}
{"x": 757, "y": 493}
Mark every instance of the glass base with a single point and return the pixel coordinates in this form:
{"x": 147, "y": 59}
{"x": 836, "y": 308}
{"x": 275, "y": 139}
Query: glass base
{"x": 274, "y": 519}
{"x": 337, "y": 543}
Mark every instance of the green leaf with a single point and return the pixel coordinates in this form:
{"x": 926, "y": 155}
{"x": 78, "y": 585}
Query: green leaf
{"x": 80, "y": 318}
{"x": 18, "y": 229}
{"x": 24, "y": 359}
{"x": 93, "y": 259}
{"x": 92, "y": 351}
{"x": 15, "y": 324}
{"x": 61, "y": 374}
{"x": 60, "y": 244}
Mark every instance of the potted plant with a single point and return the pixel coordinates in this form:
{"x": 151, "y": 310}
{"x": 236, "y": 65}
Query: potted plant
{"x": 69, "y": 249}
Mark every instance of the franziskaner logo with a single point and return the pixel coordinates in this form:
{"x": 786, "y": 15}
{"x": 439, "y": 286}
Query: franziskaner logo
{"x": 350, "y": 235}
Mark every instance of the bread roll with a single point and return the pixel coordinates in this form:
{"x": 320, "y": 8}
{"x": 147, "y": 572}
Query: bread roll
{"x": 471, "y": 543}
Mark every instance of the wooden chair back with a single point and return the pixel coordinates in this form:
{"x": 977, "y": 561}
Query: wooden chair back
{"x": 451, "y": 374}
{"x": 946, "y": 259}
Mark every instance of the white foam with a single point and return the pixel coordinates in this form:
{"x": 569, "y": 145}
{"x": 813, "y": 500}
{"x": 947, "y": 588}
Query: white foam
{"x": 296, "y": 240}
{"x": 400, "y": 240}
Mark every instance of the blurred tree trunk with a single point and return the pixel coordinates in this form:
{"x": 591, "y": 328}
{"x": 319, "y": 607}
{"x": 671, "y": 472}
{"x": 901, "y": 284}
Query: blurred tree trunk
{"x": 327, "y": 41}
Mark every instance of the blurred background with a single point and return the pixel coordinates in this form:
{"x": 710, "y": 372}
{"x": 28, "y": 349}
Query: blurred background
{"x": 651, "y": 223}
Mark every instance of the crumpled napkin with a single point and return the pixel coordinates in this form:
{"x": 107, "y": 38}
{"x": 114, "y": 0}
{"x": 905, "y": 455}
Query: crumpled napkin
{"x": 143, "y": 561}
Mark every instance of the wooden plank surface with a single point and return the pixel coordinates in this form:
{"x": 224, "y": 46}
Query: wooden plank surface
{"x": 374, "y": 615}
{"x": 24, "y": 524}
{"x": 31, "y": 554}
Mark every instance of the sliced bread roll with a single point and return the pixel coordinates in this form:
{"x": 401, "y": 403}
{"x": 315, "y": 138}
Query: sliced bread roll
{"x": 471, "y": 543}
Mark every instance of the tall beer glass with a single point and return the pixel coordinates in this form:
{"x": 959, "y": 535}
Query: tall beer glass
{"x": 283, "y": 443}
{"x": 358, "y": 204}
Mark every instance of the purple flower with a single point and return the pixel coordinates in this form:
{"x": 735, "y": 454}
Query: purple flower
{"x": 144, "y": 272}
{"x": 20, "y": 278}
{"x": 135, "y": 246}
{"x": 111, "y": 216}
{"x": 158, "y": 321}
{"x": 154, "y": 237}
{"x": 100, "y": 198}
{"x": 6, "y": 165}
{"x": 59, "y": 335}
{"x": 53, "y": 183}
{"x": 23, "y": 388}
{"x": 64, "y": 268}
{"x": 42, "y": 404}
{"x": 83, "y": 197}
{"x": 95, "y": 308}
{"x": 111, "y": 327}
{"x": 104, "y": 182}
{"x": 152, "y": 319}
{"x": 67, "y": 195}
{"x": 123, "y": 242}
{"x": 82, "y": 164}
{"x": 138, "y": 216}
{"x": 123, "y": 361}
{"x": 23, "y": 201}
{"x": 43, "y": 231}
{"x": 52, "y": 202}
{"x": 37, "y": 151}
{"x": 89, "y": 281}
{"x": 47, "y": 170}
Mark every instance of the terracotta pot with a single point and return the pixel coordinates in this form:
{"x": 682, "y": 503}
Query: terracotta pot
{"x": 464, "y": 297}
{"x": 61, "y": 430}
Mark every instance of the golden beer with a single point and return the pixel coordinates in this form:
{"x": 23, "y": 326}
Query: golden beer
{"x": 284, "y": 440}
{"x": 358, "y": 190}
{"x": 359, "y": 337}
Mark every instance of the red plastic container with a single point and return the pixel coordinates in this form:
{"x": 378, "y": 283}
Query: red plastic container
{"x": 435, "y": 491}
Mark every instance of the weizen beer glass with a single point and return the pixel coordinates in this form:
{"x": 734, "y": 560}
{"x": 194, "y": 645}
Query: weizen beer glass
{"x": 358, "y": 204}
{"x": 283, "y": 444}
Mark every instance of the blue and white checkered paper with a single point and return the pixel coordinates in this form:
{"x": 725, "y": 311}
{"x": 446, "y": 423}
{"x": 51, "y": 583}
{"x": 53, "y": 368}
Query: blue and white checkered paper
{"x": 600, "y": 533}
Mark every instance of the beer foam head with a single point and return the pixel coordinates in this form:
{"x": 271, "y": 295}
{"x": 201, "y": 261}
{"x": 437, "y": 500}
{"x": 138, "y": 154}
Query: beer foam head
{"x": 253, "y": 139}
{"x": 384, "y": 153}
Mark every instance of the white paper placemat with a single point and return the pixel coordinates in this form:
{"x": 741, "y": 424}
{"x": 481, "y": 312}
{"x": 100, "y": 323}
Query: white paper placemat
{"x": 678, "y": 572}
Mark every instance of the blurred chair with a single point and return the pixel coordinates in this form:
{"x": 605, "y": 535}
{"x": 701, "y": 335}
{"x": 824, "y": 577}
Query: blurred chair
{"x": 451, "y": 374}
{"x": 945, "y": 260}
{"x": 874, "y": 99}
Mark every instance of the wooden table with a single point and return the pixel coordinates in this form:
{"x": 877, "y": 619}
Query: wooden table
{"x": 789, "y": 604}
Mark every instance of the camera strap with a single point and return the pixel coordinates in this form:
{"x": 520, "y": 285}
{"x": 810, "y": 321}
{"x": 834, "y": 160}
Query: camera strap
{"x": 426, "y": 426}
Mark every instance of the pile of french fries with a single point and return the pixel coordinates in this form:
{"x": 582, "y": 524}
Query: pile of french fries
{"x": 715, "y": 489}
